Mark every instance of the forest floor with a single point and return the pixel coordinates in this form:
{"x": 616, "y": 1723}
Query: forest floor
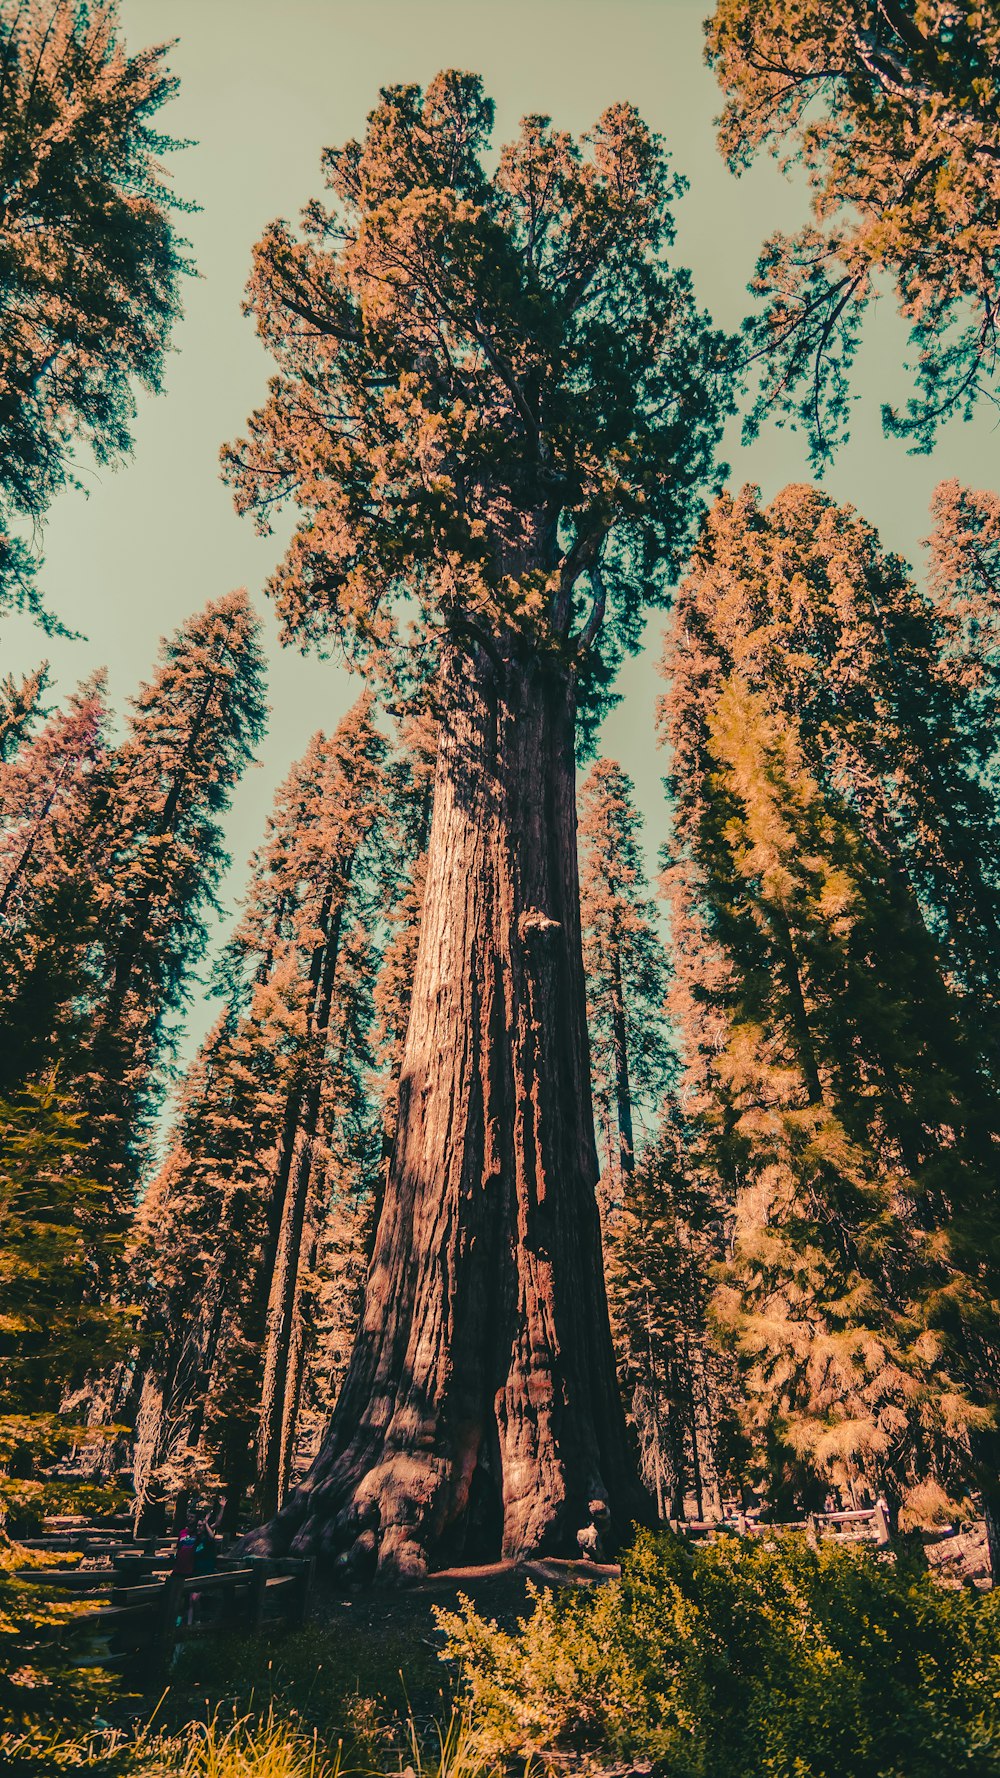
{"x": 363, "y": 1656}
{"x": 374, "y": 1654}
{"x": 956, "y": 1558}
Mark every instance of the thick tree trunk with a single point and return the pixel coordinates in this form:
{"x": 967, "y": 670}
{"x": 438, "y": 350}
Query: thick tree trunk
{"x": 480, "y": 1413}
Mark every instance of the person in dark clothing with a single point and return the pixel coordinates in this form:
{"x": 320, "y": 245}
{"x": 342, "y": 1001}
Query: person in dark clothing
{"x": 183, "y": 1564}
{"x": 206, "y": 1554}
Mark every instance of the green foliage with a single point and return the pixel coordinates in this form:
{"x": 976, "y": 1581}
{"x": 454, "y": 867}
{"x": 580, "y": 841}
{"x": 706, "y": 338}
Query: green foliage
{"x": 495, "y": 400}
{"x": 89, "y": 262}
{"x": 893, "y": 113}
{"x": 39, "y": 1685}
{"x": 60, "y": 1234}
{"x": 737, "y": 1660}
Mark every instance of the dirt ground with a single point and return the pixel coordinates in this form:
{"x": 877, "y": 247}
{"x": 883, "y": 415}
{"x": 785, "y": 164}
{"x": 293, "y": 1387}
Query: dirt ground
{"x": 498, "y": 1590}
{"x": 960, "y": 1557}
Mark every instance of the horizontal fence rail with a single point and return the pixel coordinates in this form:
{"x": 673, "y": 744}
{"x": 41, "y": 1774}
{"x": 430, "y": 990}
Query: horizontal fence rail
{"x": 142, "y": 1612}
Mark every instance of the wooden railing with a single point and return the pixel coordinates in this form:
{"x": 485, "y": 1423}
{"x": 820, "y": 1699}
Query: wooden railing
{"x": 150, "y": 1611}
{"x": 870, "y": 1525}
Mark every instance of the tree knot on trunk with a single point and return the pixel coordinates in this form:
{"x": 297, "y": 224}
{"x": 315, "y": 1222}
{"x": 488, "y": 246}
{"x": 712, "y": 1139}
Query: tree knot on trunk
{"x": 536, "y": 928}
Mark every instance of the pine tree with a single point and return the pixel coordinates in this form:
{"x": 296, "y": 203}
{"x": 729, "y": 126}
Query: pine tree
{"x": 547, "y": 407}
{"x": 625, "y": 965}
{"x": 60, "y": 1234}
{"x": 347, "y": 811}
{"x": 801, "y": 600}
{"x": 965, "y": 585}
{"x": 663, "y": 1246}
{"x": 91, "y": 264}
{"x": 109, "y": 858}
{"x": 200, "y": 1234}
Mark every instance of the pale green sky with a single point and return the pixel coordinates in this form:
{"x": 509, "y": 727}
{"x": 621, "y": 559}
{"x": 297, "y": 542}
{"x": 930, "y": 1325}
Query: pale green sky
{"x": 264, "y": 86}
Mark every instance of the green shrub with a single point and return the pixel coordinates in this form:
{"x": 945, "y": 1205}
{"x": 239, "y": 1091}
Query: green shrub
{"x": 39, "y": 1683}
{"x": 737, "y": 1660}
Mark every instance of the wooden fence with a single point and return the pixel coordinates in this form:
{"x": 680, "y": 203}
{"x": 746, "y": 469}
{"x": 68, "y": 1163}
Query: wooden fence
{"x": 870, "y": 1525}
{"x": 143, "y": 1612}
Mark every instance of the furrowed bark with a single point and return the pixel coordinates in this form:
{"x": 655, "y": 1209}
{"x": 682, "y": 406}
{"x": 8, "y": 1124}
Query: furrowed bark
{"x": 480, "y": 1413}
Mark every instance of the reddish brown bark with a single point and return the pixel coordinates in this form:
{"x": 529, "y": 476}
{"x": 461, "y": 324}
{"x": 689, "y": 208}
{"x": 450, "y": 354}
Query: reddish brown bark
{"x": 480, "y": 1413}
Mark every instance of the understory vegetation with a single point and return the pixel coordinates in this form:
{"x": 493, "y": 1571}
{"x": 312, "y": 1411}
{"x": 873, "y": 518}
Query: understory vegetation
{"x": 731, "y": 1660}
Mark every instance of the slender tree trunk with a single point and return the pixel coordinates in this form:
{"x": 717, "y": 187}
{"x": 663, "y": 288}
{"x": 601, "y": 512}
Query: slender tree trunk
{"x": 623, "y": 1089}
{"x": 703, "y": 1433}
{"x": 654, "y": 1399}
{"x": 480, "y": 1413}
{"x": 285, "y": 1273}
{"x": 800, "y": 1017}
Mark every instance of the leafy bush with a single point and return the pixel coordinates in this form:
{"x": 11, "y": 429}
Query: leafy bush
{"x": 39, "y": 1684}
{"x": 737, "y": 1660}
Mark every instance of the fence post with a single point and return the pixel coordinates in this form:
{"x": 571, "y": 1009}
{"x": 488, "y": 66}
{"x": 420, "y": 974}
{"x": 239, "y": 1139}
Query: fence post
{"x": 258, "y": 1592}
{"x": 173, "y": 1592}
{"x": 880, "y": 1517}
{"x": 304, "y": 1592}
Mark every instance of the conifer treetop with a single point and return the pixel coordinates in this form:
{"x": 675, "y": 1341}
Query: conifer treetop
{"x": 90, "y": 260}
{"x": 493, "y": 395}
{"x": 894, "y": 113}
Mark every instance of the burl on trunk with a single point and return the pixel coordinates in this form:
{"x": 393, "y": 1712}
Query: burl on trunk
{"x": 480, "y": 1414}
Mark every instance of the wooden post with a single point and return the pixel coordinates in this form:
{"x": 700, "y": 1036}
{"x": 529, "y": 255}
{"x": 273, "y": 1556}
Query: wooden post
{"x": 880, "y": 1519}
{"x": 170, "y": 1604}
{"x": 304, "y": 1592}
{"x": 258, "y": 1592}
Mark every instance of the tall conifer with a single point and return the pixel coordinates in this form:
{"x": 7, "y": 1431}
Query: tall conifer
{"x": 833, "y": 1059}
{"x": 625, "y": 965}
{"x": 190, "y": 733}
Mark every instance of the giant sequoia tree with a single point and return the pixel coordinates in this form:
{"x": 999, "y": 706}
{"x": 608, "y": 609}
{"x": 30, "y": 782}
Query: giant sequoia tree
{"x": 894, "y": 112}
{"x": 495, "y": 402}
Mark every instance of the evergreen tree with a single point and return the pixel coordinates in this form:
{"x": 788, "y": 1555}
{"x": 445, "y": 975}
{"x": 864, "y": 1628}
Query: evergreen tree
{"x": 51, "y": 867}
{"x": 109, "y": 857}
{"x": 265, "y": 1125}
{"x": 495, "y": 396}
{"x": 664, "y": 1244}
{"x": 626, "y": 969}
{"x": 799, "y": 599}
{"x": 60, "y": 1234}
{"x": 892, "y": 110}
{"x": 20, "y": 706}
{"x": 849, "y": 1123}
{"x": 200, "y": 1234}
{"x": 189, "y": 735}
{"x": 90, "y": 260}
{"x": 965, "y": 585}
{"x": 347, "y": 811}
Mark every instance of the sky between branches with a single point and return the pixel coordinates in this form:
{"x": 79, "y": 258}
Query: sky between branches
{"x": 263, "y": 90}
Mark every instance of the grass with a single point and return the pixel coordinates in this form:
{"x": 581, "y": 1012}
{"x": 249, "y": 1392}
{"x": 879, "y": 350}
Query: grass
{"x": 246, "y": 1746}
